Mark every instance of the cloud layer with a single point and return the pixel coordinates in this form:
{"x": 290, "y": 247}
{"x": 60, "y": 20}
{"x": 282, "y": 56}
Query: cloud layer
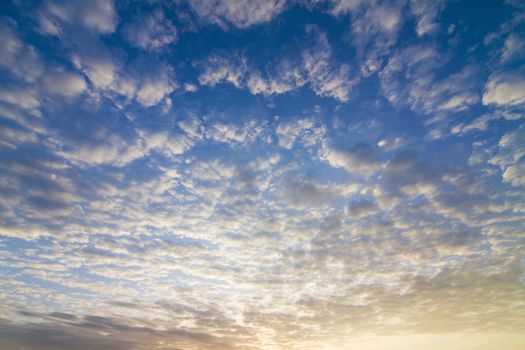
{"x": 260, "y": 175}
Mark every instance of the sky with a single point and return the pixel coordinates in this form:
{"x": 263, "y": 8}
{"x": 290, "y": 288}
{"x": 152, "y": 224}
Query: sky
{"x": 274, "y": 175}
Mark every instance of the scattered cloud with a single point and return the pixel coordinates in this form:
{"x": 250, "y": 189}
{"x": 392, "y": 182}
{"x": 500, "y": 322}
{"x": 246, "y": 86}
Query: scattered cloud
{"x": 505, "y": 89}
{"x": 63, "y": 83}
{"x": 98, "y": 16}
{"x": 317, "y": 69}
{"x": 510, "y": 157}
{"x": 241, "y": 14}
{"x": 426, "y": 12}
{"x": 151, "y": 31}
{"x": 296, "y": 174}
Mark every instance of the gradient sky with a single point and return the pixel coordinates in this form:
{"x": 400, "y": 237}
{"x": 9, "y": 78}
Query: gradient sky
{"x": 236, "y": 174}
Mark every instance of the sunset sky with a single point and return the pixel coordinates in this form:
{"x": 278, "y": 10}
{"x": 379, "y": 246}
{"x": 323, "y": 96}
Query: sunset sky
{"x": 262, "y": 175}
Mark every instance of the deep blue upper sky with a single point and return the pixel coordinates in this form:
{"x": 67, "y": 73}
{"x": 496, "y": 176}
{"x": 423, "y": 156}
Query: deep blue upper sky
{"x": 260, "y": 174}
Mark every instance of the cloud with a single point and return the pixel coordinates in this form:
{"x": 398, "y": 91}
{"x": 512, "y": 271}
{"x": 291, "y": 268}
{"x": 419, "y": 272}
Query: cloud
{"x": 374, "y": 29}
{"x": 360, "y": 208}
{"x": 101, "y": 70}
{"x": 391, "y": 144}
{"x": 379, "y": 16}
{"x": 418, "y": 60}
{"x": 25, "y": 99}
{"x": 324, "y": 79}
{"x": 315, "y": 208}
{"x": 242, "y": 14}
{"x": 511, "y": 156}
{"x": 303, "y": 131}
{"x": 317, "y": 68}
{"x": 409, "y": 78}
{"x": 218, "y": 69}
{"x": 109, "y": 74}
{"x": 190, "y": 87}
{"x": 344, "y": 6}
{"x": 137, "y": 81}
{"x": 20, "y": 59}
{"x": 505, "y": 89}
{"x": 30, "y": 336}
{"x": 63, "y": 331}
{"x": 99, "y": 16}
{"x": 426, "y": 13}
{"x": 64, "y": 83}
{"x": 459, "y": 102}
{"x": 480, "y": 123}
{"x": 513, "y": 48}
{"x": 151, "y": 31}
{"x": 152, "y": 91}
{"x": 307, "y": 194}
{"x": 233, "y": 134}
{"x": 116, "y": 151}
{"x": 360, "y": 159}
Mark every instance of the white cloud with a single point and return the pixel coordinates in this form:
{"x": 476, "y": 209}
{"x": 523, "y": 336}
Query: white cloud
{"x": 151, "y": 31}
{"x": 241, "y": 13}
{"x": 97, "y": 15}
{"x": 426, "y": 12}
{"x": 20, "y": 59}
{"x": 117, "y": 151}
{"x": 303, "y": 132}
{"x": 361, "y": 160}
{"x": 102, "y": 71}
{"x": 480, "y": 123}
{"x": 511, "y": 157}
{"x": 179, "y": 144}
{"x": 230, "y": 133}
{"x": 228, "y": 210}
{"x": 384, "y": 16}
{"x": 64, "y": 83}
{"x": 286, "y": 77}
{"x": 190, "y": 87}
{"x": 505, "y": 89}
{"x": 410, "y": 78}
{"x": 317, "y": 68}
{"x": 325, "y": 79}
{"x": 154, "y": 90}
{"x": 515, "y": 174}
{"x": 459, "y": 102}
{"x": 412, "y": 61}
{"x": 390, "y": 144}
{"x": 137, "y": 81}
{"x": 257, "y": 85}
{"x": 375, "y": 28}
{"x": 114, "y": 152}
{"x": 218, "y": 69}
{"x": 513, "y": 48}
{"x": 236, "y": 72}
{"x": 23, "y": 98}
{"x": 345, "y": 6}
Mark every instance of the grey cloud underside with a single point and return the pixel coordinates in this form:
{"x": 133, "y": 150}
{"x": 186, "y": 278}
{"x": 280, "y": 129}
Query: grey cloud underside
{"x": 66, "y": 331}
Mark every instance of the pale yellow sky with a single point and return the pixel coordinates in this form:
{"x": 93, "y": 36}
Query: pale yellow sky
{"x": 435, "y": 342}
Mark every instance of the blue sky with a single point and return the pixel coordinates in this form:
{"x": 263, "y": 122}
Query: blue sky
{"x": 309, "y": 174}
